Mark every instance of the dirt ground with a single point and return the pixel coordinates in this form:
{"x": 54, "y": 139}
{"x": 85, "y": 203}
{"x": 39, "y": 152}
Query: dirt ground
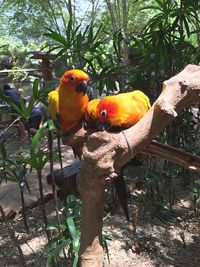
{"x": 152, "y": 244}
{"x": 142, "y": 242}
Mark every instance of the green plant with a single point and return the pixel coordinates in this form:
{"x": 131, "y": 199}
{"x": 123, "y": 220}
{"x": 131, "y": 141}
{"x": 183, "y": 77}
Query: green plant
{"x": 13, "y": 168}
{"x": 166, "y": 44}
{"x": 67, "y": 234}
{"x": 90, "y": 49}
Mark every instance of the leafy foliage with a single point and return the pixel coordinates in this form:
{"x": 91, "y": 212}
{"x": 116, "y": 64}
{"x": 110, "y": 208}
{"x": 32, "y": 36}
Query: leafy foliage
{"x": 67, "y": 234}
{"x": 26, "y": 18}
{"x": 166, "y": 43}
{"x": 88, "y": 49}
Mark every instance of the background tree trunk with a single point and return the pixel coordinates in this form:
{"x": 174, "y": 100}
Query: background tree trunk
{"x": 112, "y": 15}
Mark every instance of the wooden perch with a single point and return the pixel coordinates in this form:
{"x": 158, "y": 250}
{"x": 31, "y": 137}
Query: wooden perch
{"x": 175, "y": 155}
{"x": 105, "y": 153}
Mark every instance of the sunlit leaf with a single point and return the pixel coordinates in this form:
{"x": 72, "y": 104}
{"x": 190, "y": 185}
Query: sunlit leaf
{"x": 37, "y": 137}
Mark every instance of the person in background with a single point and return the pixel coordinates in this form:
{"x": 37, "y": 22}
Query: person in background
{"x": 35, "y": 118}
{"x": 12, "y": 93}
{"x": 36, "y": 115}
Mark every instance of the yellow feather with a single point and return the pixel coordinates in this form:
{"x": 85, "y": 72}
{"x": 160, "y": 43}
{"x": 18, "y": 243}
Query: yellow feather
{"x": 91, "y": 114}
{"x": 53, "y": 99}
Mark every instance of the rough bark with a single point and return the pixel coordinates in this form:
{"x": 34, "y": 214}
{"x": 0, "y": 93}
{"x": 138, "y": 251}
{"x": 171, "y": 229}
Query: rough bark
{"x": 105, "y": 153}
{"x": 112, "y": 15}
{"x": 175, "y": 155}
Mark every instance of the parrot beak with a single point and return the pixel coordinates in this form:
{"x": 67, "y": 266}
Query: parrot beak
{"x": 82, "y": 87}
{"x": 103, "y": 126}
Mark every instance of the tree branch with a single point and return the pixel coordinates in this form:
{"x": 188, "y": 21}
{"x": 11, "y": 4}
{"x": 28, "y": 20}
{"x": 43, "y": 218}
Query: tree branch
{"x": 105, "y": 153}
{"x": 175, "y": 155}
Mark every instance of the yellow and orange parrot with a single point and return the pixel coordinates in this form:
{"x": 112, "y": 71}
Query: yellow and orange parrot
{"x": 68, "y": 103}
{"x": 118, "y": 111}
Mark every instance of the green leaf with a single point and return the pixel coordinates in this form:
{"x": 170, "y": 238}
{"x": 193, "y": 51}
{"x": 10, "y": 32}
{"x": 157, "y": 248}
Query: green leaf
{"x": 71, "y": 198}
{"x": 61, "y": 52}
{"x": 57, "y": 37}
{"x": 16, "y": 108}
{"x": 105, "y": 245}
{"x": 150, "y": 8}
{"x": 90, "y": 34}
{"x": 75, "y": 234}
{"x": 160, "y": 3}
{"x": 75, "y": 261}
{"x": 49, "y": 261}
{"x": 51, "y": 125}
{"x": 35, "y": 88}
{"x": 55, "y": 47}
{"x": 33, "y": 161}
{"x": 63, "y": 227}
{"x": 23, "y": 107}
{"x": 72, "y": 228}
{"x": 86, "y": 29}
{"x": 186, "y": 26}
{"x": 37, "y": 137}
{"x": 59, "y": 247}
{"x": 98, "y": 31}
{"x": 79, "y": 40}
{"x": 42, "y": 159}
{"x": 76, "y": 242}
{"x": 75, "y": 32}
{"x": 30, "y": 105}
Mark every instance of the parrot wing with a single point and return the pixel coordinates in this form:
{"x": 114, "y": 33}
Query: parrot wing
{"x": 141, "y": 96}
{"x": 131, "y": 108}
{"x": 53, "y": 99}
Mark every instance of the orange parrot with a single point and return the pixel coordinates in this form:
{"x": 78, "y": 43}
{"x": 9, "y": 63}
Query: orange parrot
{"x": 118, "y": 111}
{"x": 68, "y": 103}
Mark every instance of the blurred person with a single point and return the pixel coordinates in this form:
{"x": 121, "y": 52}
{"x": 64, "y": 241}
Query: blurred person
{"x": 36, "y": 115}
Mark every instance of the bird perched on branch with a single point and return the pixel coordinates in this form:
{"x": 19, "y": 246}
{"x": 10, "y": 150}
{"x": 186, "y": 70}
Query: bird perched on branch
{"x": 115, "y": 113}
{"x": 118, "y": 111}
{"x": 68, "y": 102}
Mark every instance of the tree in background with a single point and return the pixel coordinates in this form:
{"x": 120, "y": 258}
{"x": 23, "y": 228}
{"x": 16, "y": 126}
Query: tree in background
{"x": 167, "y": 42}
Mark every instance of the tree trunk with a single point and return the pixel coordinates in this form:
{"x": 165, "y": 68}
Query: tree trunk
{"x": 112, "y": 15}
{"x": 125, "y": 46}
{"x": 91, "y": 249}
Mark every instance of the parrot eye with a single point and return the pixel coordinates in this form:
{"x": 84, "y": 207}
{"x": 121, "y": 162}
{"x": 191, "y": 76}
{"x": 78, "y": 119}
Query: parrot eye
{"x": 103, "y": 113}
{"x": 72, "y": 78}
